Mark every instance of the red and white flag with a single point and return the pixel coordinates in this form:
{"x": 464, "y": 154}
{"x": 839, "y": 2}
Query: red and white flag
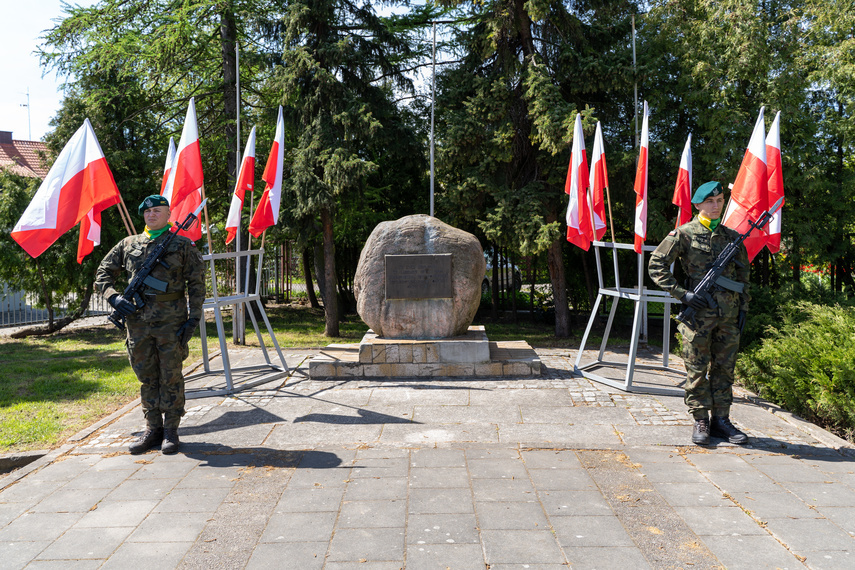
{"x": 749, "y": 196}
{"x": 267, "y": 212}
{"x": 598, "y": 181}
{"x": 79, "y": 184}
{"x": 775, "y": 181}
{"x": 579, "y": 230}
{"x": 170, "y": 158}
{"x": 186, "y": 178}
{"x": 683, "y": 189}
{"x": 245, "y": 181}
{"x": 641, "y": 186}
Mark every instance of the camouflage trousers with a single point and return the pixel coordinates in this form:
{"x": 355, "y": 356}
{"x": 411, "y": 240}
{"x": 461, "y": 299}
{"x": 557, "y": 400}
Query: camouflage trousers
{"x": 709, "y": 353}
{"x": 157, "y": 355}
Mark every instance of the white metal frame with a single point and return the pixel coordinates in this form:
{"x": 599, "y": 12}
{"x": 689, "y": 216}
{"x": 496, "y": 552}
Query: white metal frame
{"x": 639, "y": 295}
{"x": 238, "y": 300}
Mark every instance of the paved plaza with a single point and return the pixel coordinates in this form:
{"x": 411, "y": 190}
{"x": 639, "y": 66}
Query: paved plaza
{"x": 548, "y": 472}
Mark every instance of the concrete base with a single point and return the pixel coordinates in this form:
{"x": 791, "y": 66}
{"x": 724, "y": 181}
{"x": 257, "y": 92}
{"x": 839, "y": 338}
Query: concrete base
{"x": 463, "y": 356}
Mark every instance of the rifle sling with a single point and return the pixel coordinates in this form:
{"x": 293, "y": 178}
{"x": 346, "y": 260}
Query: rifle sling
{"x": 729, "y": 284}
{"x": 174, "y": 296}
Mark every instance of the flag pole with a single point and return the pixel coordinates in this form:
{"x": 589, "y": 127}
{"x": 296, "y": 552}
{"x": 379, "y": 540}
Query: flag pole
{"x": 126, "y": 216}
{"x": 207, "y": 227}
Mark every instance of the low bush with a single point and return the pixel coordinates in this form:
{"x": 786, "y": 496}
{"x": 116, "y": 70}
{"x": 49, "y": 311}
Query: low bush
{"x": 806, "y": 363}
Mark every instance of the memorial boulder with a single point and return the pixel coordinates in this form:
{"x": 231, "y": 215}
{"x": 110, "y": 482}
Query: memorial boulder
{"x": 419, "y": 278}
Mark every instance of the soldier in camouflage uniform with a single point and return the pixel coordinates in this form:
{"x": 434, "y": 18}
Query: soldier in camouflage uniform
{"x": 158, "y": 333}
{"x": 709, "y": 351}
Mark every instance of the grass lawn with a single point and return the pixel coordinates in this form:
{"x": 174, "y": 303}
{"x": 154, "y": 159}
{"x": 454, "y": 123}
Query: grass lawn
{"x": 52, "y": 387}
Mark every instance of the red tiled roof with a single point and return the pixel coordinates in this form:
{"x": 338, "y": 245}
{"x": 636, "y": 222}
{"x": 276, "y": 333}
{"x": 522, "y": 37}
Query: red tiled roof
{"x": 22, "y": 158}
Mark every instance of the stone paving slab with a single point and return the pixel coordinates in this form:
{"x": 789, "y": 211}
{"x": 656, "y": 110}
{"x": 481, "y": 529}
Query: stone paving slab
{"x": 531, "y": 472}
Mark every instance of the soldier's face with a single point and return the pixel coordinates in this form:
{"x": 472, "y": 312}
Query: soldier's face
{"x": 711, "y": 207}
{"x": 156, "y": 218}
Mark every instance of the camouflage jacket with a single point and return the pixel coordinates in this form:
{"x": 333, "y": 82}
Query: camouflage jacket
{"x": 697, "y": 248}
{"x": 186, "y": 269}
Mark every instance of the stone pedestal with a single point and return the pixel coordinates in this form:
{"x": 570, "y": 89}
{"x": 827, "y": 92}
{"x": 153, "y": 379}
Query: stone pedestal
{"x": 469, "y": 355}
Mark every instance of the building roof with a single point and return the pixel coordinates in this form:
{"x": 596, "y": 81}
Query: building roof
{"x": 22, "y": 157}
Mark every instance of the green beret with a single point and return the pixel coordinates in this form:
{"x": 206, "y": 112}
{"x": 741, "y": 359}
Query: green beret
{"x": 152, "y": 201}
{"x": 704, "y": 191}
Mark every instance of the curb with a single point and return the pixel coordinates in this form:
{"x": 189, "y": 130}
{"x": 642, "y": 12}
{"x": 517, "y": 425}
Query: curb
{"x": 40, "y": 462}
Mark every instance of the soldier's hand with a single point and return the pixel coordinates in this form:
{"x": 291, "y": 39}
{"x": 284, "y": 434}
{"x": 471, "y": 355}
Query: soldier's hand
{"x": 122, "y": 305}
{"x": 741, "y": 320}
{"x": 694, "y": 301}
{"x": 185, "y": 332}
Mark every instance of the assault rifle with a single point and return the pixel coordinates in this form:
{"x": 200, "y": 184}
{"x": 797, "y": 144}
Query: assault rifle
{"x": 144, "y": 277}
{"x": 714, "y": 280}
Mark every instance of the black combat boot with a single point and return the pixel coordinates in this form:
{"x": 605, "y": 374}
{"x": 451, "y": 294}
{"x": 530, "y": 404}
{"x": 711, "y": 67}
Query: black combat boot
{"x": 723, "y": 428}
{"x": 701, "y": 433}
{"x": 170, "y": 441}
{"x": 150, "y": 438}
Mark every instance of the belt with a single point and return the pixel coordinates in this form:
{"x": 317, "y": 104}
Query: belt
{"x": 174, "y": 296}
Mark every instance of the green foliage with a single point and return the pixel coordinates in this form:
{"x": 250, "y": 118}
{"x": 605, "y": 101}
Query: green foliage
{"x": 807, "y": 364}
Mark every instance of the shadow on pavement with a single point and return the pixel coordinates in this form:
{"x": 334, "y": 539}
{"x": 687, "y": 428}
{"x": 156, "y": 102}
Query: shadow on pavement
{"x": 365, "y": 417}
{"x": 219, "y": 456}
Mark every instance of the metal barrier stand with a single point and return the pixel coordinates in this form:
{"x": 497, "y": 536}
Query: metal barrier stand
{"x": 639, "y": 295}
{"x": 241, "y": 299}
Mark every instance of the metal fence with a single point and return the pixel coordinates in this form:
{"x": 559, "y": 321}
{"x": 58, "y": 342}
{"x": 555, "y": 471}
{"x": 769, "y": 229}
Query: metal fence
{"x": 18, "y": 308}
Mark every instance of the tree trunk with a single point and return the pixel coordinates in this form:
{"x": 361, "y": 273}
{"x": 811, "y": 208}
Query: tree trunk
{"x": 494, "y": 285}
{"x": 310, "y": 287}
{"x": 555, "y": 262}
{"x": 228, "y": 35}
{"x": 330, "y": 297}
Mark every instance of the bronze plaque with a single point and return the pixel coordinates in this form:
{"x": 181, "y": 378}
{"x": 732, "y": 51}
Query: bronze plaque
{"x": 425, "y": 276}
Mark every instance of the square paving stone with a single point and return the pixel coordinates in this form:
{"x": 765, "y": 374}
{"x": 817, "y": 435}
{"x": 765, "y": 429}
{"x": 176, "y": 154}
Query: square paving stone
{"x": 371, "y": 489}
{"x": 93, "y": 479}
{"x": 192, "y": 500}
{"x": 155, "y": 467}
{"x": 433, "y": 556}
{"x": 590, "y": 531}
{"x": 511, "y": 516}
{"x": 18, "y": 553}
{"x": 521, "y": 547}
{"x": 300, "y": 527}
{"x": 562, "y": 479}
{"x": 302, "y": 555}
{"x": 549, "y": 459}
{"x": 310, "y": 478}
{"x": 376, "y": 544}
{"x": 424, "y": 435}
{"x": 440, "y": 501}
{"x": 44, "y": 526}
{"x": 476, "y": 451}
{"x": 809, "y": 534}
{"x": 133, "y": 489}
{"x": 844, "y": 517}
{"x": 309, "y": 434}
{"x": 71, "y": 501}
{"x": 204, "y": 477}
{"x": 574, "y": 503}
{"x": 829, "y": 559}
{"x": 691, "y": 494}
{"x": 823, "y": 494}
{"x": 65, "y": 468}
{"x": 650, "y": 435}
{"x": 781, "y": 504}
{"x": 576, "y": 436}
{"x": 438, "y": 458}
{"x": 543, "y": 397}
{"x": 750, "y": 552}
{"x": 503, "y": 490}
{"x": 147, "y": 555}
{"x": 367, "y": 565}
{"x": 789, "y": 470}
{"x": 306, "y": 500}
{"x": 371, "y": 514}
{"x": 86, "y": 543}
{"x": 380, "y": 467}
{"x": 672, "y": 473}
{"x": 722, "y": 521}
{"x": 433, "y": 396}
{"x": 717, "y": 461}
{"x": 439, "y": 478}
{"x": 599, "y": 557}
{"x": 65, "y": 564}
{"x": 117, "y": 513}
{"x": 741, "y": 481}
{"x": 171, "y": 527}
{"x": 433, "y": 415}
{"x": 442, "y": 529}
{"x": 574, "y": 415}
{"x": 27, "y": 491}
{"x": 497, "y": 469}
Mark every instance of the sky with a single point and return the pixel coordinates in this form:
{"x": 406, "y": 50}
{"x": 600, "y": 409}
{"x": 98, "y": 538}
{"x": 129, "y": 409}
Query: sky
{"x": 23, "y": 22}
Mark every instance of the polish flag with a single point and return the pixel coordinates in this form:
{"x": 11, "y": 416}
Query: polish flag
{"x": 79, "y": 184}
{"x": 267, "y": 212}
{"x": 579, "y": 230}
{"x": 641, "y": 187}
{"x": 598, "y": 181}
{"x": 245, "y": 181}
{"x": 683, "y": 189}
{"x": 749, "y": 197}
{"x": 170, "y": 158}
{"x": 775, "y": 182}
{"x": 186, "y": 178}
